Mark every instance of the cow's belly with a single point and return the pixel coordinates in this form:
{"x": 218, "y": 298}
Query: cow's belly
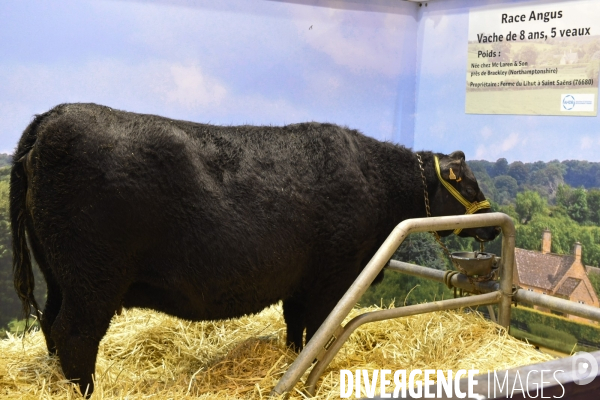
{"x": 194, "y": 306}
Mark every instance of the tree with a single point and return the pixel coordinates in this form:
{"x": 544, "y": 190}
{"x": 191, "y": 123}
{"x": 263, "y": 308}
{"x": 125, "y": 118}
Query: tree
{"x": 595, "y": 281}
{"x": 536, "y": 166}
{"x": 486, "y": 184}
{"x": 418, "y": 248}
{"x": 547, "y": 180}
{"x": 507, "y": 187}
{"x": 574, "y": 201}
{"x": 528, "y": 204}
{"x": 9, "y": 302}
{"x": 579, "y": 173}
{"x": 593, "y": 200}
{"x": 5, "y": 160}
{"x": 579, "y": 210}
{"x": 421, "y": 249}
{"x": 10, "y": 305}
{"x": 519, "y": 171}
{"x": 500, "y": 167}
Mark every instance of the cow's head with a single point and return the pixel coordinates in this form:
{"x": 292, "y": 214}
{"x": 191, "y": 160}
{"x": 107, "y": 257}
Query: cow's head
{"x": 457, "y": 192}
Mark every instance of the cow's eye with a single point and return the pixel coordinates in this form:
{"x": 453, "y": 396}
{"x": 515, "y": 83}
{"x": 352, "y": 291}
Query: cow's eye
{"x": 470, "y": 191}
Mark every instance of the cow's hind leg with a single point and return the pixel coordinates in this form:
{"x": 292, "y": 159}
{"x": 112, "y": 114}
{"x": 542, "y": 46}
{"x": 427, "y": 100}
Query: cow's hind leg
{"x": 53, "y": 294}
{"x": 52, "y": 307}
{"x": 90, "y": 298}
{"x": 77, "y": 331}
{"x": 51, "y": 310}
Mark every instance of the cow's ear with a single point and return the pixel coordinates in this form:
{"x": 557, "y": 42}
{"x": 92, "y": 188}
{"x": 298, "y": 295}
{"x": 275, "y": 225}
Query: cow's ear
{"x": 452, "y": 166}
{"x": 457, "y": 155}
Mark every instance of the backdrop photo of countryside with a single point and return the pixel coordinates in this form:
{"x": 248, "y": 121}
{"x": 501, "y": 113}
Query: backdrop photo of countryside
{"x": 206, "y": 262}
{"x": 562, "y": 198}
{"x": 150, "y": 352}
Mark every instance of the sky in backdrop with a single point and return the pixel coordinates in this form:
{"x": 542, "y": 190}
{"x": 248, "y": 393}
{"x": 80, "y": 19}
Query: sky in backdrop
{"x": 392, "y": 69}
{"x": 222, "y": 62}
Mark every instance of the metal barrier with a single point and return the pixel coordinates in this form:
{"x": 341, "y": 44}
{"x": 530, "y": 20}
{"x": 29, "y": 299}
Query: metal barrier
{"x": 331, "y": 328}
{"x": 330, "y": 337}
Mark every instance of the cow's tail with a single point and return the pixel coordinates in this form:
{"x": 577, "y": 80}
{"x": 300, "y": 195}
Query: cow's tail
{"x": 20, "y": 176}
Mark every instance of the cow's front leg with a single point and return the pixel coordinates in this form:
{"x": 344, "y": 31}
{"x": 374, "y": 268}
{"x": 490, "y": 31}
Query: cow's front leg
{"x": 294, "y": 316}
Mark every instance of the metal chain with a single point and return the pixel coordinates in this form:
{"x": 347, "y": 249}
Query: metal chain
{"x": 428, "y": 211}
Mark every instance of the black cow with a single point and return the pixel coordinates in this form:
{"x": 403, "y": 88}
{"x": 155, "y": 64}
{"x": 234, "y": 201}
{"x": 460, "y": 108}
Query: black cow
{"x": 204, "y": 222}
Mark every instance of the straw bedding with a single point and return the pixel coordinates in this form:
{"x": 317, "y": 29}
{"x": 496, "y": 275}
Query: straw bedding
{"x": 151, "y": 355}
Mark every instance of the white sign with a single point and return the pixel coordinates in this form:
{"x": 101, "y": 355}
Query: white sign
{"x": 537, "y": 58}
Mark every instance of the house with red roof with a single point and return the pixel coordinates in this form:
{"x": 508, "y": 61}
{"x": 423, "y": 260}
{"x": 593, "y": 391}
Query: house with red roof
{"x": 552, "y": 274}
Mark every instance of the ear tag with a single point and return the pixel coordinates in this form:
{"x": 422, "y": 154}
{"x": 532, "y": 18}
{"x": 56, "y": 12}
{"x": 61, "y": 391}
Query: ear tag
{"x": 452, "y": 176}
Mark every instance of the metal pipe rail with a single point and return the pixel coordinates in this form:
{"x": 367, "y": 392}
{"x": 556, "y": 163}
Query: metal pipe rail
{"x": 557, "y": 304}
{"x": 373, "y": 316}
{"x": 459, "y": 280}
{"x": 520, "y": 295}
{"x": 325, "y": 335}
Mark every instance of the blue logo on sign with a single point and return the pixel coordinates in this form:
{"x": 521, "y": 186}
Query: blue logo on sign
{"x": 568, "y": 102}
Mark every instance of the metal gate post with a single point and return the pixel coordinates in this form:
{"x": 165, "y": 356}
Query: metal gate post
{"x": 506, "y": 272}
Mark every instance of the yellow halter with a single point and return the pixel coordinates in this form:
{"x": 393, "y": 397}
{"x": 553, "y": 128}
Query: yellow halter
{"x": 471, "y": 208}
